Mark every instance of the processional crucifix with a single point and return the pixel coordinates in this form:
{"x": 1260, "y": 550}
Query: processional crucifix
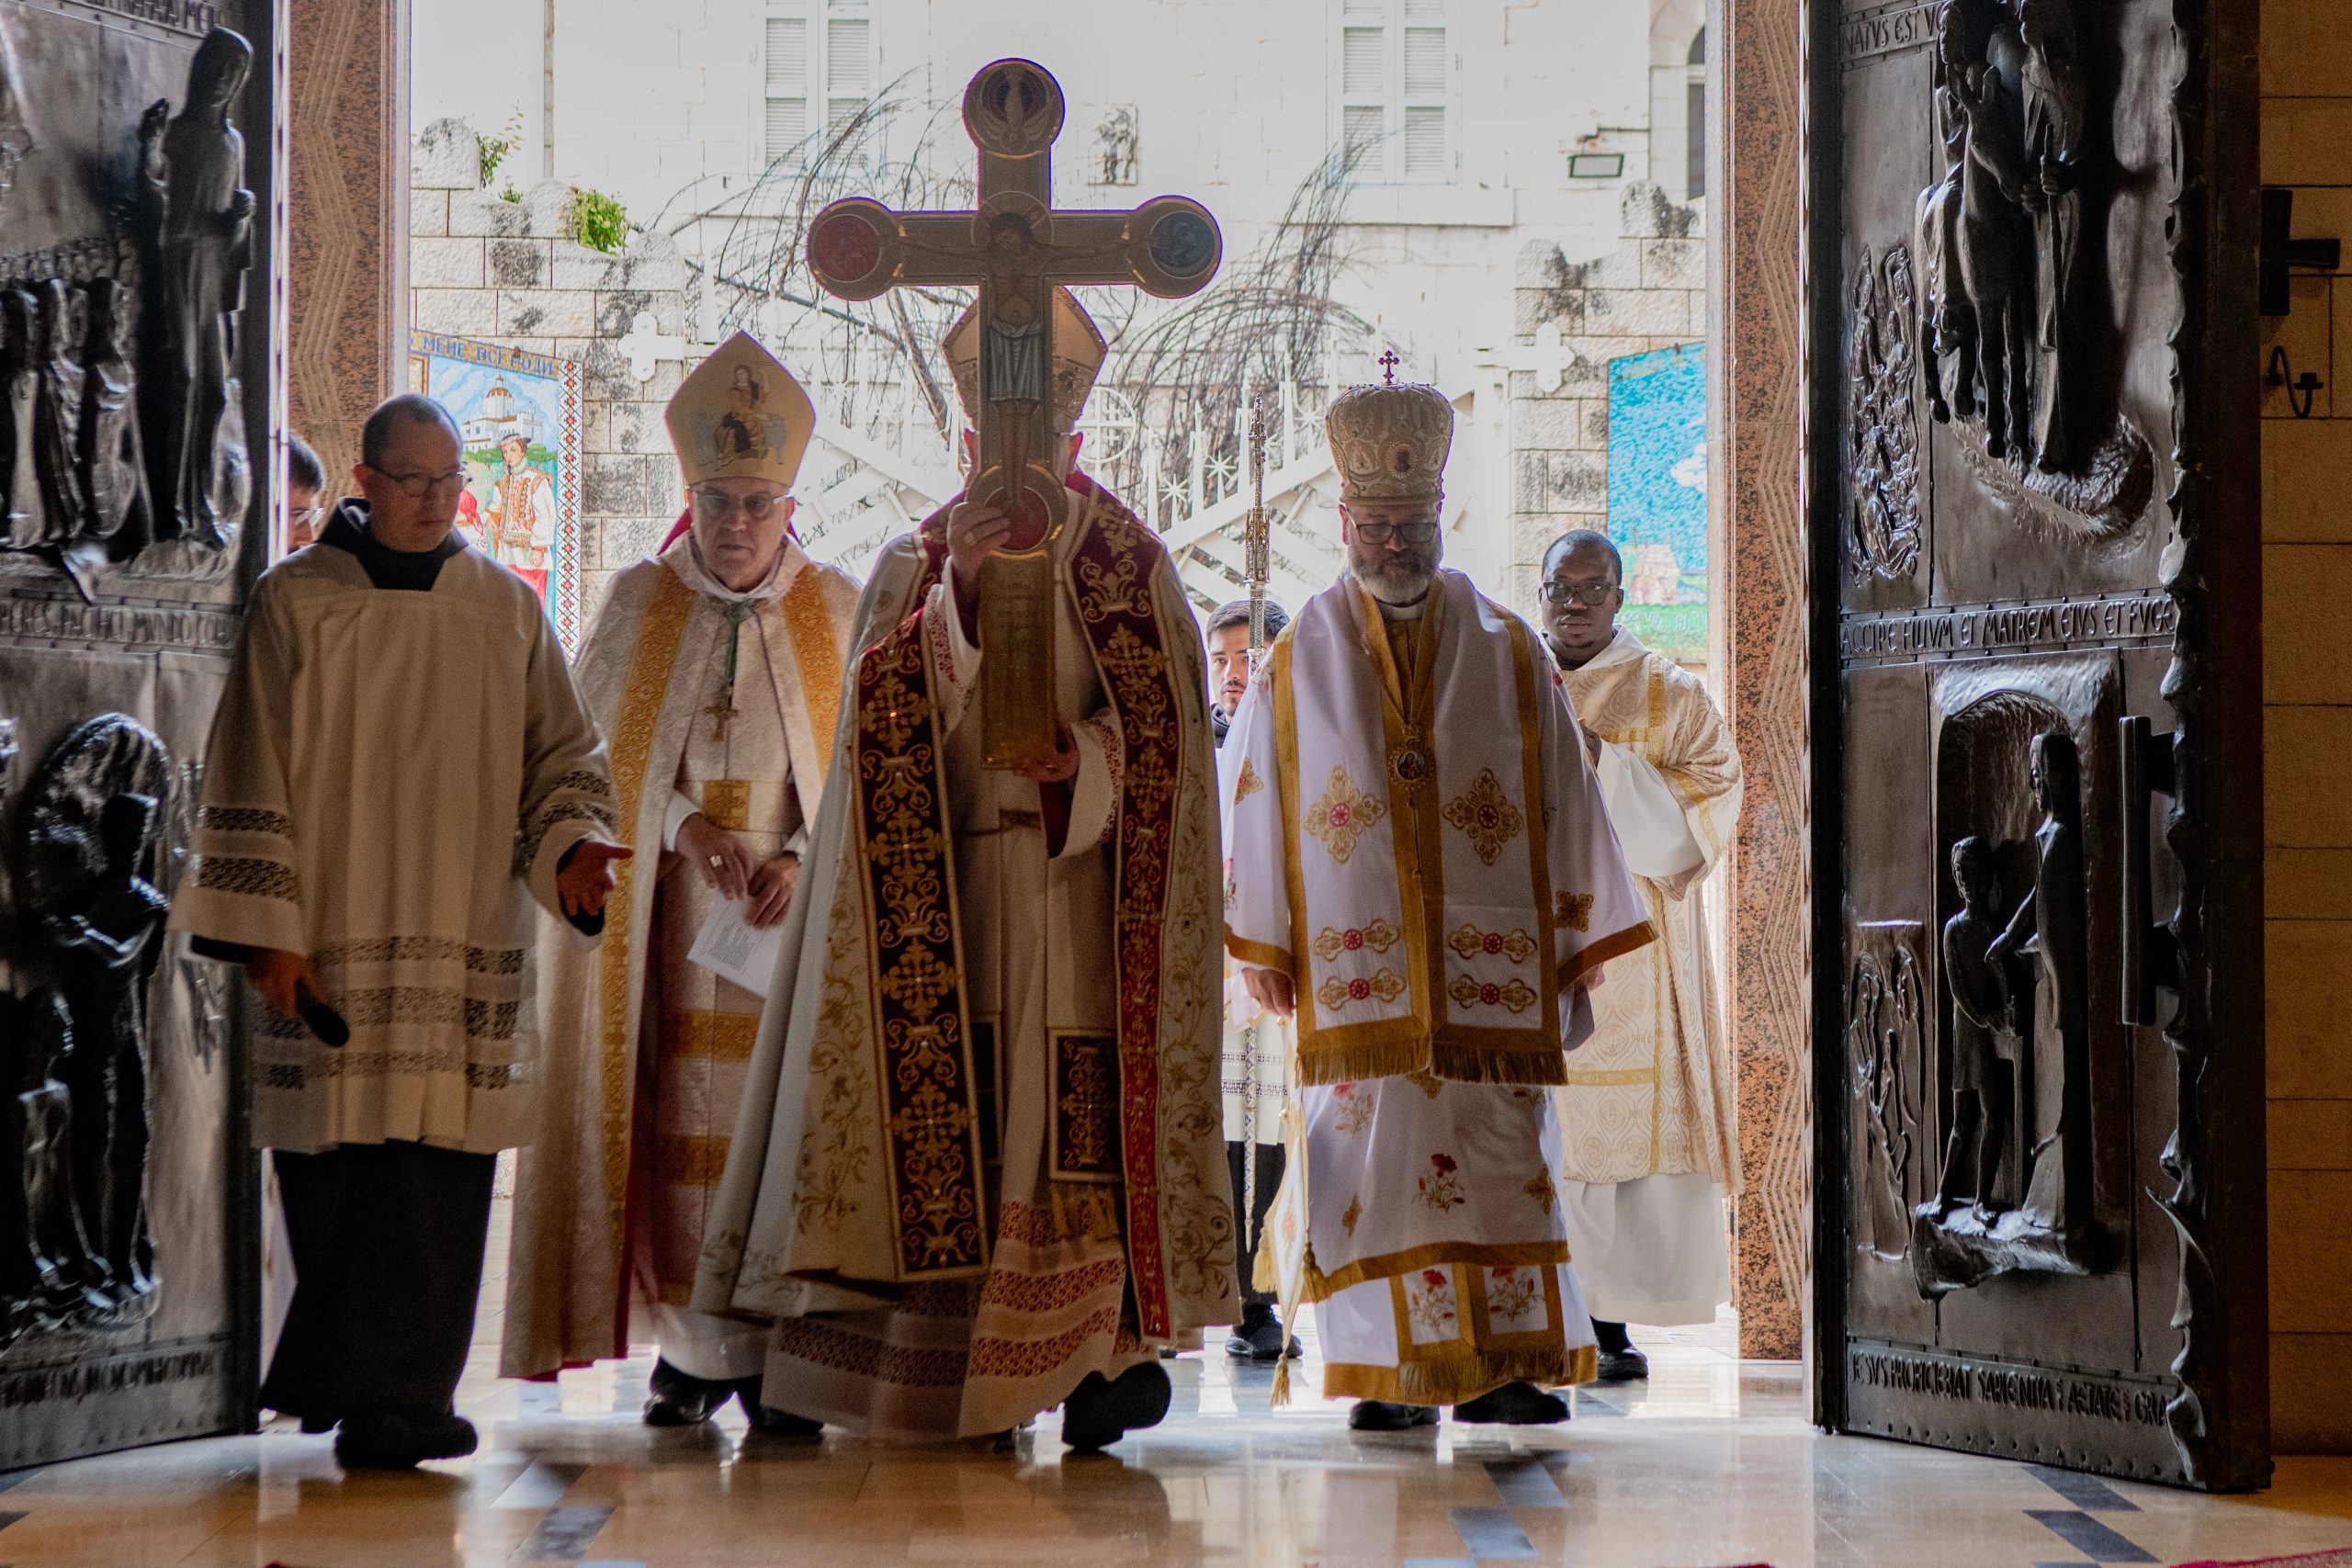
{"x": 1017, "y": 246}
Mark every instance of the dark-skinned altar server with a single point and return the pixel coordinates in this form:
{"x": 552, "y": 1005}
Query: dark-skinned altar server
{"x": 979, "y": 1171}
{"x": 716, "y": 670}
{"x": 1649, "y": 1153}
{"x": 401, "y": 769}
{"x": 1423, "y": 873}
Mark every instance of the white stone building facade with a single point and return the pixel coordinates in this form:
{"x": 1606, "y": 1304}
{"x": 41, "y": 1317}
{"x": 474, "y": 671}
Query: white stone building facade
{"x": 1500, "y": 233}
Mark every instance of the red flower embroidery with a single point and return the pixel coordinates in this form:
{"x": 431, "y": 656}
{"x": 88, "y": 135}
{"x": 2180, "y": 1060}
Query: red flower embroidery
{"x": 1444, "y": 1163}
{"x": 1340, "y": 816}
{"x": 1493, "y": 943}
{"x": 1490, "y": 993}
{"x": 1359, "y": 989}
{"x": 1352, "y": 941}
{"x": 1433, "y": 1278}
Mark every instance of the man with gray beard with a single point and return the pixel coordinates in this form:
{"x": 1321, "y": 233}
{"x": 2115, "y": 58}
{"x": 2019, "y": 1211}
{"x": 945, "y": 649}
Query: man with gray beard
{"x": 1422, "y": 874}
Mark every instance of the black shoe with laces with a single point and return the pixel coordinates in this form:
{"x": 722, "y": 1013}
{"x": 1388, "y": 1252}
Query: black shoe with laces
{"x": 1628, "y": 1365}
{"x": 1100, "y": 1411}
{"x": 1259, "y": 1336}
{"x": 679, "y": 1399}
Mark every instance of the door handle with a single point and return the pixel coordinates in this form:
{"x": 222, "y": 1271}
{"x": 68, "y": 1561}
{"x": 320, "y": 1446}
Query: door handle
{"x": 2151, "y": 958}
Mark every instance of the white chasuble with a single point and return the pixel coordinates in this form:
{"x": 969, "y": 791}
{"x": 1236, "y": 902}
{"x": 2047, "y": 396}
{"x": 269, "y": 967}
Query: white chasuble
{"x": 978, "y": 1157}
{"x": 1418, "y": 842}
{"x": 612, "y": 1203}
{"x": 1649, "y": 1150}
{"x": 392, "y": 780}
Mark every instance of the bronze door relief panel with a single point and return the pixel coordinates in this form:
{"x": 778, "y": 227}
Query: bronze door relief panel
{"x": 135, "y": 398}
{"x": 2032, "y": 805}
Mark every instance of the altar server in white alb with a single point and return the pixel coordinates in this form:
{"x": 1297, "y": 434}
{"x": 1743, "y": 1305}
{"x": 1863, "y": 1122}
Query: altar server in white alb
{"x": 400, "y": 769}
{"x": 1649, "y": 1153}
{"x": 1422, "y": 869}
{"x": 716, "y": 668}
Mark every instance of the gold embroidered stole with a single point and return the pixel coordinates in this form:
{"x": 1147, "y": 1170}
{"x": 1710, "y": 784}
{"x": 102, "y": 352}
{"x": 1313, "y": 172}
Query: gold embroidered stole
{"x": 1114, "y": 563}
{"x": 631, "y": 742}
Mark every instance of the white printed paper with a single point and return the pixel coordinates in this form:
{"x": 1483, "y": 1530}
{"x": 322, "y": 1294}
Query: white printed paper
{"x": 731, "y": 949}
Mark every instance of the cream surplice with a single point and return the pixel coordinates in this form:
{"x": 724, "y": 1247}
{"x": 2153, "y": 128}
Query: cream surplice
{"x": 979, "y": 1156}
{"x": 391, "y": 809}
{"x": 1649, "y": 1150}
{"x": 1417, "y": 842}
{"x": 719, "y": 702}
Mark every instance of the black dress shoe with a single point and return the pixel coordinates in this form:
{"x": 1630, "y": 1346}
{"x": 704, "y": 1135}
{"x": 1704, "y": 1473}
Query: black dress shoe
{"x": 770, "y": 1422}
{"x": 1628, "y": 1365}
{"x": 314, "y": 1423}
{"x": 1259, "y": 1336}
{"x": 679, "y": 1399}
{"x": 401, "y": 1439}
{"x": 1513, "y": 1404}
{"x": 1385, "y": 1416}
{"x": 1100, "y": 1412}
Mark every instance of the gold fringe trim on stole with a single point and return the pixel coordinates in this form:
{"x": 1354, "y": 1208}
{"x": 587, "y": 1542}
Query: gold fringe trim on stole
{"x": 1458, "y": 1062}
{"x": 1457, "y": 1381}
{"x": 1322, "y": 1063}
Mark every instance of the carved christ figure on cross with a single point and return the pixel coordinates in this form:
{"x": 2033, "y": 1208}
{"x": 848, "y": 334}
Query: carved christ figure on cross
{"x": 1016, "y": 246}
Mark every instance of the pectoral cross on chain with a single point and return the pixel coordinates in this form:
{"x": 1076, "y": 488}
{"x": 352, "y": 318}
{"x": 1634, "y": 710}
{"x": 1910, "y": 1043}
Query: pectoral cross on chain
{"x": 722, "y": 710}
{"x": 1016, "y": 246}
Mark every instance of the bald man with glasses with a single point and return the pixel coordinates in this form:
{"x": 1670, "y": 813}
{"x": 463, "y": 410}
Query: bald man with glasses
{"x": 1647, "y": 1153}
{"x": 401, "y": 776}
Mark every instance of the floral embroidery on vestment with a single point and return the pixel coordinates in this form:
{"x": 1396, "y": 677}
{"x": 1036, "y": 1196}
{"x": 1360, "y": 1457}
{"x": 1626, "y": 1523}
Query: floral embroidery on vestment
{"x": 1485, "y": 813}
{"x": 1341, "y": 813}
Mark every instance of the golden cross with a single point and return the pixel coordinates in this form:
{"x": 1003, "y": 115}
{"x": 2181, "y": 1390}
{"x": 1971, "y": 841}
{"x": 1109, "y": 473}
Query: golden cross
{"x": 721, "y": 709}
{"x": 1016, "y": 246}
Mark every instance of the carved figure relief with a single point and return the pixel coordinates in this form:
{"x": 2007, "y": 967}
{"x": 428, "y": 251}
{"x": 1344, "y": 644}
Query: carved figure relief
{"x": 28, "y": 518}
{"x": 2015, "y": 1191}
{"x": 200, "y": 218}
{"x": 57, "y": 409}
{"x": 1885, "y": 1046}
{"x": 1882, "y": 417}
{"x": 113, "y": 463}
{"x": 2008, "y": 296}
{"x": 92, "y": 855}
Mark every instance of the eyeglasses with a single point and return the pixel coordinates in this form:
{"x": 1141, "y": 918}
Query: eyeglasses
{"x": 306, "y": 516}
{"x": 416, "y": 487}
{"x": 1592, "y": 593}
{"x": 718, "y": 505}
{"x": 1381, "y": 532}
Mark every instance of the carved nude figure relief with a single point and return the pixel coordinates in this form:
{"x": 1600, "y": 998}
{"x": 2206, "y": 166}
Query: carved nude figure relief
{"x": 1983, "y": 1076}
{"x": 28, "y": 518}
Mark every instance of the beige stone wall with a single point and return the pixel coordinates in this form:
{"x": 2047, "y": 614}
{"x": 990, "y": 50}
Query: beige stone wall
{"x": 2307, "y": 581}
{"x": 501, "y": 272}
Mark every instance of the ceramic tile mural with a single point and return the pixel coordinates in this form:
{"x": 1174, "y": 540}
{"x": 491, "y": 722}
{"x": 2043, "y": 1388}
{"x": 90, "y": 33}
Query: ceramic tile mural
{"x": 1657, "y": 494}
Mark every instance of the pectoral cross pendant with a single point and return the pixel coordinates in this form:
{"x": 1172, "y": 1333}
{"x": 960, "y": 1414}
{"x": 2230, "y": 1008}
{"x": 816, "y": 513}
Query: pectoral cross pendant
{"x": 721, "y": 711}
{"x": 722, "y": 707}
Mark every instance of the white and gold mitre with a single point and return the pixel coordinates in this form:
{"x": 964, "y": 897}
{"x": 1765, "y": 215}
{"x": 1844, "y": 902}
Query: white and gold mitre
{"x": 1390, "y": 442}
{"x": 740, "y": 415}
{"x": 1078, "y": 350}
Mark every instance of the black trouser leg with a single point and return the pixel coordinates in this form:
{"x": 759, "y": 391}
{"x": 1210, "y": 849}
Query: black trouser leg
{"x": 1611, "y": 1337}
{"x": 1245, "y": 1236}
{"x": 386, "y": 1241}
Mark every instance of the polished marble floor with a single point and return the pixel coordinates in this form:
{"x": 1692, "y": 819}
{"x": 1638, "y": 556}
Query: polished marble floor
{"x": 1711, "y": 1463}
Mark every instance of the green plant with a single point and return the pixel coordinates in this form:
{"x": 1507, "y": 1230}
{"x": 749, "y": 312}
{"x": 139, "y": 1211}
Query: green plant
{"x": 494, "y": 150}
{"x": 597, "y": 221}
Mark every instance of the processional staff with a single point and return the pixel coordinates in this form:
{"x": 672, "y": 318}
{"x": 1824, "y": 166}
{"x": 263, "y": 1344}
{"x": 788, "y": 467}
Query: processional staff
{"x": 1017, "y": 246}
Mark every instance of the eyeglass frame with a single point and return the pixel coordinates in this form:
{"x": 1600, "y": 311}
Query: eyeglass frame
{"x": 718, "y": 505}
{"x": 1379, "y": 534}
{"x": 416, "y": 487}
{"x": 1593, "y": 595}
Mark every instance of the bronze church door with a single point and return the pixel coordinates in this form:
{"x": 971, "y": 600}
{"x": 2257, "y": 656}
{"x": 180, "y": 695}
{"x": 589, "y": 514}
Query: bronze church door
{"x": 2038, "y": 829}
{"x": 136, "y": 294}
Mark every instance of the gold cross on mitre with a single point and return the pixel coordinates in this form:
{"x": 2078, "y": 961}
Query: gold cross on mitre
{"x": 1017, "y": 247}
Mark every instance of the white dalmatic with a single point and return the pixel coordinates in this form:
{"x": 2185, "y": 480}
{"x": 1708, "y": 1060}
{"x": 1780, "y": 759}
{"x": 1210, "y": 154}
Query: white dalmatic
{"x": 1649, "y": 1153}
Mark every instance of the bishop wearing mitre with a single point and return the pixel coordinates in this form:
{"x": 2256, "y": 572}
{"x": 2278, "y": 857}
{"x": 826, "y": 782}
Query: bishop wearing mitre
{"x": 1423, "y": 873}
{"x": 1649, "y": 1153}
{"x": 979, "y": 1171}
{"x": 715, "y": 668}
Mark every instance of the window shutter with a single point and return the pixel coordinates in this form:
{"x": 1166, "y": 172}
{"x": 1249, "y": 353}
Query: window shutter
{"x": 1425, "y": 144}
{"x": 787, "y": 84}
{"x": 1364, "y": 129}
{"x": 1424, "y": 64}
{"x": 1364, "y": 64}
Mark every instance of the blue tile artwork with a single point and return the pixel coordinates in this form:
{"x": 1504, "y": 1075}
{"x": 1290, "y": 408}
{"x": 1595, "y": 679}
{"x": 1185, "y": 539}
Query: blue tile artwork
{"x": 1657, "y": 494}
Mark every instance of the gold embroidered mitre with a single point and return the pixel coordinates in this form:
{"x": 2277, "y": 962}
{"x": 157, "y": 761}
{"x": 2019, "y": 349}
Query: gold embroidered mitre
{"x": 1390, "y": 442}
{"x": 1077, "y": 352}
{"x": 741, "y": 414}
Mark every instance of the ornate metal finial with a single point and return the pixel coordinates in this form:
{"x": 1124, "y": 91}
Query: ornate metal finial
{"x": 1388, "y": 362}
